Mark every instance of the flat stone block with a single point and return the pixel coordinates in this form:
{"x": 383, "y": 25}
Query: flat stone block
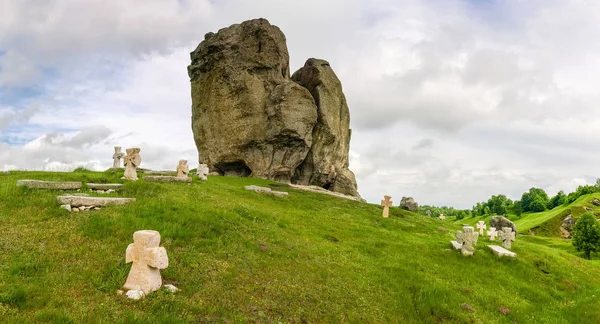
{"x": 266, "y": 190}
{"x": 500, "y": 251}
{"x": 167, "y": 179}
{"x": 105, "y": 186}
{"x": 76, "y": 201}
{"x": 37, "y": 184}
{"x": 456, "y": 245}
{"x": 166, "y": 173}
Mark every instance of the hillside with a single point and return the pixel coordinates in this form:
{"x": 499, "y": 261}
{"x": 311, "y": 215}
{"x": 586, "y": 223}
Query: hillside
{"x": 239, "y": 256}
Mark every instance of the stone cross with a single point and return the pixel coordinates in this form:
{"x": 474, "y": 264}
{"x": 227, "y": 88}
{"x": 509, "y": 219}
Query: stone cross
{"x": 492, "y": 233}
{"x": 148, "y": 258}
{"x": 117, "y": 157}
{"x": 442, "y": 217}
{"x": 132, "y": 160}
{"x": 467, "y": 238}
{"x": 183, "y": 169}
{"x": 202, "y": 172}
{"x": 507, "y": 236}
{"x": 481, "y": 227}
{"x": 386, "y": 203}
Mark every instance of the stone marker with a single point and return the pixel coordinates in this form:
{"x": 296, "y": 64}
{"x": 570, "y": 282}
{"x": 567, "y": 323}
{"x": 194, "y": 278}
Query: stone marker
{"x": 148, "y": 258}
{"x": 167, "y": 179}
{"x": 117, "y": 157}
{"x": 183, "y": 169}
{"x": 266, "y": 190}
{"x": 492, "y": 233}
{"x": 442, "y": 217}
{"x": 456, "y": 245}
{"x": 507, "y": 236}
{"x": 132, "y": 161}
{"x": 76, "y": 201}
{"x": 467, "y": 238}
{"x": 386, "y": 203}
{"x": 37, "y": 184}
{"x": 202, "y": 172}
{"x": 500, "y": 251}
{"x": 105, "y": 186}
{"x": 152, "y": 172}
{"x": 481, "y": 227}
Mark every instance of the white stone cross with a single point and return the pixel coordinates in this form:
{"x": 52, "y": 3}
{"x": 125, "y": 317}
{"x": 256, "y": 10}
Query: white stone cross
{"x": 148, "y": 258}
{"x": 386, "y": 203}
{"x": 481, "y": 227}
{"x": 442, "y": 217}
{"x": 117, "y": 157}
{"x": 468, "y": 237}
{"x": 492, "y": 233}
{"x": 507, "y": 236}
{"x": 132, "y": 160}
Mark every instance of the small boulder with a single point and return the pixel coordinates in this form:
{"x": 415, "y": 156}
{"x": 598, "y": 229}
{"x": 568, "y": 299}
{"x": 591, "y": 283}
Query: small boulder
{"x": 596, "y": 202}
{"x": 501, "y": 221}
{"x": 135, "y": 294}
{"x": 171, "y": 288}
{"x": 66, "y": 207}
{"x": 408, "y": 203}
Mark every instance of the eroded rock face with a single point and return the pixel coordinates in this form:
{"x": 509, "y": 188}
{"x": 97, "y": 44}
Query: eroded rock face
{"x": 249, "y": 118}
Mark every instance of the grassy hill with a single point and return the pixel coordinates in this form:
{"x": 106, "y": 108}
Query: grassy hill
{"x": 239, "y": 256}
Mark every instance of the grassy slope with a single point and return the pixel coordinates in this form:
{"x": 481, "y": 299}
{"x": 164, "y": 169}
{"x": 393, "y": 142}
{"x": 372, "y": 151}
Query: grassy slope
{"x": 240, "y": 256}
{"x": 528, "y": 221}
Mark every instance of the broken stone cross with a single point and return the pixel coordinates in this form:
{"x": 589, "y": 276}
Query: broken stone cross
{"x": 117, "y": 157}
{"x": 183, "y": 169}
{"x": 507, "y": 236}
{"x": 467, "y": 238}
{"x": 492, "y": 233}
{"x": 481, "y": 227}
{"x": 132, "y": 161}
{"x": 386, "y": 203}
{"x": 202, "y": 171}
{"x": 148, "y": 258}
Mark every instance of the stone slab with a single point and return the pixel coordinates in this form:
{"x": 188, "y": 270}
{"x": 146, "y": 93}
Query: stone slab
{"x": 317, "y": 189}
{"x": 76, "y": 201}
{"x": 37, "y": 184}
{"x": 105, "y": 186}
{"x": 500, "y": 251}
{"x": 456, "y": 245}
{"x": 165, "y": 173}
{"x": 266, "y": 190}
{"x": 167, "y": 179}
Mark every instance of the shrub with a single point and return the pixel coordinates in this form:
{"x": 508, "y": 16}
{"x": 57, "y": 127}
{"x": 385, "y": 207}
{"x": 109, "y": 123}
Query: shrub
{"x": 586, "y": 237}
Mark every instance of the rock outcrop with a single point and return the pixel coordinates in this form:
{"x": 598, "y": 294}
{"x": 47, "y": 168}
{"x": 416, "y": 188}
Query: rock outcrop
{"x": 249, "y": 118}
{"x": 500, "y": 221}
{"x": 408, "y": 203}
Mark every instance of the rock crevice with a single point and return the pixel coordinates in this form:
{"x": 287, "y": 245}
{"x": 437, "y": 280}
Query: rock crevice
{"x": 250, "y": 118}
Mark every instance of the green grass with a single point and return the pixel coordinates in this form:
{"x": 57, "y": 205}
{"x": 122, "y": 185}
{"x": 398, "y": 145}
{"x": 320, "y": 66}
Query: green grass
{"x": 239, "y": 256}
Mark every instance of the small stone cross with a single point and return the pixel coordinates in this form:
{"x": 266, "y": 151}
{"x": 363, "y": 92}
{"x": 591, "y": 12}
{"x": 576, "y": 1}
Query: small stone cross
{"x": 148, "y": 258}
{"x": 117, "y": 157}
{"x": 507, "y": 236}
{"x": 386, "y": 203}
{"x": 481, "y": 227}
{"x": 183, "y": 169}
{"x": 492, "y": 233}
{"x": 132, "y": 160}
{"x": 468, "y": 237}
{"x": 442, "y": 217}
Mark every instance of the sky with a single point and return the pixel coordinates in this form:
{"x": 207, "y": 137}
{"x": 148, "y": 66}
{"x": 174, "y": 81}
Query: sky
{"x": 451, "y": 101}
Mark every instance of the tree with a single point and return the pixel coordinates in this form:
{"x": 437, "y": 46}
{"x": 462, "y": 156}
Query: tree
{"x": 586, "y": 236}
{"x": 517, "y": 208}
{"x": 535, "y": 200}
{"x": 486, "y": 210}
{"x": 557, "y": 200}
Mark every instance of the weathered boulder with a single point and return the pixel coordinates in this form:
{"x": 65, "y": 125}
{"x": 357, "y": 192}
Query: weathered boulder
{"x": 326, "y": 164}
{"x": 408, "y": 203}
{"x": 596, "y": 202}
{"x": 501, "y": 221}
{"x": 249, "y": 118}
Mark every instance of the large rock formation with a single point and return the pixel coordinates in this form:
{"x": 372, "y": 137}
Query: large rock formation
{"x": 250, "y": 118}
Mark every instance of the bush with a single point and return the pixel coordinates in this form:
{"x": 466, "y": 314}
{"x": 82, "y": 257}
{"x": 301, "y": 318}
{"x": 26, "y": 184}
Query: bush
{"x": 586, "y": 237}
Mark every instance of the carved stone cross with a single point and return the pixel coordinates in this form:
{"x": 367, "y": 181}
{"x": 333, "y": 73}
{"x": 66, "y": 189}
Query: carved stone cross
{"x": 117, "y": 157}
{"x": 507, "y": 236}
{"x": 132, "y": 160}
{"x": 386, "y": 203}
{"x": 148, "y": 258}
{"x": 183, "y": 169}
{"x": 442, "y": 217}
{"x": 467, "y": 238}
{"x": 481, "y": 227}
{"x": 492, "y": 233}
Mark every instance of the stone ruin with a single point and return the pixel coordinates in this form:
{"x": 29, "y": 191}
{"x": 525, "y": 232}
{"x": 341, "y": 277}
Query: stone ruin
{"x": 251, "y": 118}
{"x": 117, "y": 156}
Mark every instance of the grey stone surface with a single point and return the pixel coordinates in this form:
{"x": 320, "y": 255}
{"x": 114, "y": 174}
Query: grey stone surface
{"x": 501, "y": 221}
{"x": 250, "y": 118}
{"x": 78, "y": 201}
{"x": 135, "y": 294}
{"x": 37, "y": 184}
{"x": 456, "y": 245}
{"x": 167, "y": 179}
{"x": 66, "y": 207}
{"x": 132, "y": 161}
{"x": 164, "y": 172}
{"x": 500, "y": 251}
{"x": 105, "y": 186}
{"x": 408, "y": 203}
{"x": 259, "y": 189}
{"x": 202, "y": 172}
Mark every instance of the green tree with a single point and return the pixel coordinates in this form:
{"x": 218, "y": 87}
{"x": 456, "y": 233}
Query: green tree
{"x": 558, "y": 200}
{"x": 486, "y": 210}
{"x": 535, "y": 200}
{"x": 517, "y": 208}
{"x": 586, "y": 236}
